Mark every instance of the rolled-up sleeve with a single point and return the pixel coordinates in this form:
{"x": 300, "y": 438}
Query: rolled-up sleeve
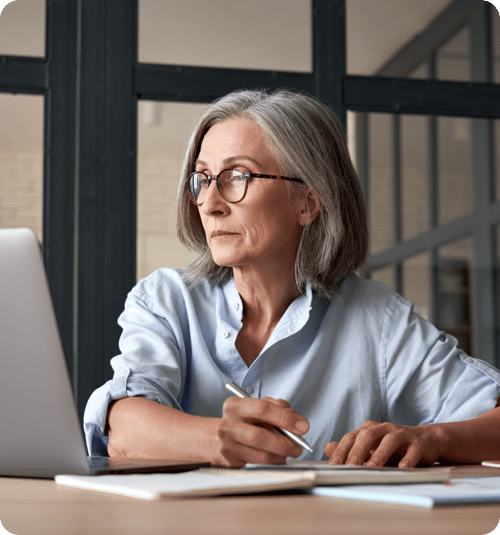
{"x": 429, "y": 379}
{"x": 151, "y": 365}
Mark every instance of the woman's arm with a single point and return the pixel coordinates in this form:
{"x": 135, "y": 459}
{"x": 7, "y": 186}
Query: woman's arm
{"x": 141, "y": 428}
{"x": 377, "y": 444}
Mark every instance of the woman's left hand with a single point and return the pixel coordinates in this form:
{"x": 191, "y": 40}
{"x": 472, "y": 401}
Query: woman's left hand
{"x": 378, "y": 444}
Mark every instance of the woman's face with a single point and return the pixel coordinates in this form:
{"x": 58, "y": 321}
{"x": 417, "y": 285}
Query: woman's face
{"x": 263, "y": 229}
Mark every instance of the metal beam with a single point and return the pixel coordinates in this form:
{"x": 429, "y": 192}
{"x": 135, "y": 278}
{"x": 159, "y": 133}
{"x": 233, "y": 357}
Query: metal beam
{"x": 427, "y": 97}
{"x": 205, "y": 84}
{"x": 452, "y": 231}
{"x": 20, "y": 74}
{"x": 439, "y": 31}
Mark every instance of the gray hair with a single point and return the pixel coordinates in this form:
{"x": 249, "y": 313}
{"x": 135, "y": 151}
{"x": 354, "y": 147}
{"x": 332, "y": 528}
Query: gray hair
{"x": 308, "y": 141}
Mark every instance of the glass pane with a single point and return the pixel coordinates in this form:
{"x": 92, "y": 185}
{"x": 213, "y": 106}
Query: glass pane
{"x": 495, "y": 20}
{"x": 380, "y": 209}
{"x": 453, "y": 58}
{"x": 498, "y": 297}
{"x": 456, "y": 291}
{"x": 414, "y": 175}
{"x": 496, "y": 123}
{"x": 377, "y": 30}
{"x": 385, "y": 275}
{"x": 416, "y": 283}
{"x": 454, "y": 167}
{"x": 22, "y": 28}
{"x": 21, "y": 162}
{"x": 163, "y": 133}
{"x": 420, "y": 72}
{"x": 351, "y": 137}
{"x": 227, "y": 33}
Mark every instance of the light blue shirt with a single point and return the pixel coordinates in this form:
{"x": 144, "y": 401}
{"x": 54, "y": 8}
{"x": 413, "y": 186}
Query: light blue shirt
{"x": 364, "y": 355}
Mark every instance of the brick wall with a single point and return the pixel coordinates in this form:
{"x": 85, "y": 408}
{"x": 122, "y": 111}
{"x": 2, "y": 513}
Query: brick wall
{"x": 21, "y": 190}
{"x": 157, "y": 243}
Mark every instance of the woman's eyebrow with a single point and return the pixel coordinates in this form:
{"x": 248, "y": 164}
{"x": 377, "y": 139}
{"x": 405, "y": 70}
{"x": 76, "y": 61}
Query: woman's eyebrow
{"x": 201, "y": 162}
{"x": 231, "y": 160}
{"x": 234, "y": 159}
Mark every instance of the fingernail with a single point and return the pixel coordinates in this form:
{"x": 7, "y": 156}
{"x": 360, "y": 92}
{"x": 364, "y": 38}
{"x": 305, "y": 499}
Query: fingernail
{"x": 302, "y": 426}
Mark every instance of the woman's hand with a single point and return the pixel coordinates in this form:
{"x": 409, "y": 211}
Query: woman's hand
{"x": 247, "y": 435}
{"x": 378, "y": 444}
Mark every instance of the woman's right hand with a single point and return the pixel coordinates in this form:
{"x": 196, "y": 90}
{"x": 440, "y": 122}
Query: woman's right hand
{"x": 247, "y": 431}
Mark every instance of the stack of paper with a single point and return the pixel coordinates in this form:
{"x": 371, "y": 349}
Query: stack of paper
{"x": 327, "y": 474}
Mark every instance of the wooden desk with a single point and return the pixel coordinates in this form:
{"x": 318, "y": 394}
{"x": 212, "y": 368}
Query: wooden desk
{"x": 38, "y": 507}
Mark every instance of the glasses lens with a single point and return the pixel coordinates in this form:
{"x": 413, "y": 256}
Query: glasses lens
{"x": 232, "y": 185}
{"x": 196, "y": 186}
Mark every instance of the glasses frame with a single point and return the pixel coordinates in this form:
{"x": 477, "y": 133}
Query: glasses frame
{"x": 246, "y": 175}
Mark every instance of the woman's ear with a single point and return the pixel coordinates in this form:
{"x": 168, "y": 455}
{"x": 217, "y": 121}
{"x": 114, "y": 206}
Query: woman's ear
{"x": 310, "y": 207}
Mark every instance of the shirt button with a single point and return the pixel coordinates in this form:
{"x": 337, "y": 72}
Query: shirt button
{"x": 225, "y": 334}
{"x": 249, "y": 389}
{"x": 123, "y": 372}
{"x": 470, "y": 360}
{"x": 236, "y": 306}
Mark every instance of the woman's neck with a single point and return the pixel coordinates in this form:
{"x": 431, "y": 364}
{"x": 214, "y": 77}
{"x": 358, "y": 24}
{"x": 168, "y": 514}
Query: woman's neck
{"x": 265, "y": 295}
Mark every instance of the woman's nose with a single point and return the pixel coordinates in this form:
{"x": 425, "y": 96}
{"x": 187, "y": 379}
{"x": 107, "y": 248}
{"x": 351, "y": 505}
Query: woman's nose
{"x": 213, "y": 202}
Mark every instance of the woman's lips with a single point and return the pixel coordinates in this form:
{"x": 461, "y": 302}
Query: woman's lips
{"x": 219, "y": 233}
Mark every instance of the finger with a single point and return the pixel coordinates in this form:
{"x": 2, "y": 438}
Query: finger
{"x": 240, "y": 454}
{"x": 266, "y": 411}
{"x": 279, "y": 402}
{"x": 415, "y": 455}
{"x": 243, "y": 433}
{"x": 330, "y": 448}
{"x": 342, "y": 449}
{"x": 367, "y": 440}
{"x": 392, "y": 443}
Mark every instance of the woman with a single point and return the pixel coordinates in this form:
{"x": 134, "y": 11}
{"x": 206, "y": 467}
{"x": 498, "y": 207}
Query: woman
{"x": 272, "y": 304}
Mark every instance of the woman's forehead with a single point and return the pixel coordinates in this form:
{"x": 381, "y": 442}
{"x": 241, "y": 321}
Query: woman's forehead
{"x": 234, "y": 138}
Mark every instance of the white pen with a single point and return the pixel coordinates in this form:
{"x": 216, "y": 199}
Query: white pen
{"x": 237, "y": 391}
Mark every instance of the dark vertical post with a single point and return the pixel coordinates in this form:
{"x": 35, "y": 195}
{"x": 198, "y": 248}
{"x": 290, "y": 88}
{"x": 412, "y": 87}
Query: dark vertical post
{"x": 106, "y": 183}
{"x": 329, "y": 52}
{"x": 59, "y": 164}
{"x": 121, "y": 187}
{"x": 91, "y": 150}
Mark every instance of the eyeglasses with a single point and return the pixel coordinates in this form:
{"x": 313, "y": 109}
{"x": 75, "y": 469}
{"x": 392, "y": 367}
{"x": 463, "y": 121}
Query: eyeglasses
{"x": 231, "y": 183}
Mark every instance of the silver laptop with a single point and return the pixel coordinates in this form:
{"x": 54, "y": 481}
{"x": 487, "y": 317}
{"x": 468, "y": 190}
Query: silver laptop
{"x": 40, "y": 433}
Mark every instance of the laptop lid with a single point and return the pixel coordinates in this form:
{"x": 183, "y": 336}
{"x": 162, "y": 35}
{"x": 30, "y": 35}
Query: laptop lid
{"x": 40, "y": 432}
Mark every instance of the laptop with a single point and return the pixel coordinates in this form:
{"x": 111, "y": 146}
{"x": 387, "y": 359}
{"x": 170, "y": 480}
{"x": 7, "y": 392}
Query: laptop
{"x": 40, "y": 432}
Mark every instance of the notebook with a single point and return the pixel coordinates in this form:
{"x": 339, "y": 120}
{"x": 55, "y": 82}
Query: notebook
{"x": 41, "y": 435}
{"x": 202, "y": 482}
{"x": 455, "y": 492}
{"x": 328, "y": 474}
